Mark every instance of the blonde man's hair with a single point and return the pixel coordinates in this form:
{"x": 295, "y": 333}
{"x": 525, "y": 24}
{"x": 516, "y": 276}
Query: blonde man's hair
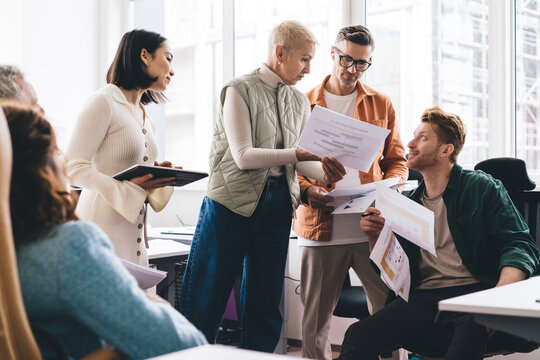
{"x": 291, "y": 35}
{"x": 449, "y": 128}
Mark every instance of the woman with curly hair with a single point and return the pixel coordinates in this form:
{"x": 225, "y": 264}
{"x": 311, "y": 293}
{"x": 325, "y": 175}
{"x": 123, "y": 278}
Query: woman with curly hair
{"x": 73, "y": 285}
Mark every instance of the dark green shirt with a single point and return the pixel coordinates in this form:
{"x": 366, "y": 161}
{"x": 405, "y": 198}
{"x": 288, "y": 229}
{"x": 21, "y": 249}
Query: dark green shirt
{"x": 487, "y": 229}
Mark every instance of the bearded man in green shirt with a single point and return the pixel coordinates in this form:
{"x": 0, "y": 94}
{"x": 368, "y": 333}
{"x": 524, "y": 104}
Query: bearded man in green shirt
{"x": 481, "y": 241}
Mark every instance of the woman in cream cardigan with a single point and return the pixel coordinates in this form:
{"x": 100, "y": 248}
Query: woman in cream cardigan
{"x": 252, "y": 193}
{"x": 113, "y": 132}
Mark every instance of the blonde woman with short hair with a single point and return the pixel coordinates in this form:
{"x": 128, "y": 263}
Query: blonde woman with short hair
{"x": 245, "y": 217}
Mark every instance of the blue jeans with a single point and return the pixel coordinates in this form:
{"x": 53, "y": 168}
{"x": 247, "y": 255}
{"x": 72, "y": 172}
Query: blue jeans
{"x": 222, "y": 241}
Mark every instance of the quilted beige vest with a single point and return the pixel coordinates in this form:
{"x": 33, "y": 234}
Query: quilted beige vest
{"x": 240, "y": 190}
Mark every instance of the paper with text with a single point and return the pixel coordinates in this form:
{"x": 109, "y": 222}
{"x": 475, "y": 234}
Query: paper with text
{"x": 406, "y": 217}
{"x": 393, "y": 262}
{"x": 354, "y": 143}
{"x": 146, "y": 277}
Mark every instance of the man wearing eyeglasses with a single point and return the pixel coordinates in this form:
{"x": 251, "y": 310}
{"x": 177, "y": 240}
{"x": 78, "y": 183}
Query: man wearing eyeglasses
{"x": 332, "y": 244}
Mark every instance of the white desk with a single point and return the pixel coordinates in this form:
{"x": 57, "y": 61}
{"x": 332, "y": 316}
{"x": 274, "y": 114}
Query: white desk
{"x": 219, "y": 352}
{"x": 164, "y": 248}
{"x": 512, "y": 308}
{"x": 165, "y": 253}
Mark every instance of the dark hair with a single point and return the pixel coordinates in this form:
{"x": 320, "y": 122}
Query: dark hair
{"x": 449, "y": 128}
{"x": 39, "y": 200}
{"x": 357, "y": 34}
{"x": 127, "y": 70}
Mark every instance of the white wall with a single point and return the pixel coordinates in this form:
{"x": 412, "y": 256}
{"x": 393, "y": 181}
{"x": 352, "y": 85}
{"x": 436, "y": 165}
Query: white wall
{"x": 64, "y": 48}
{"x": 185, "y": 202}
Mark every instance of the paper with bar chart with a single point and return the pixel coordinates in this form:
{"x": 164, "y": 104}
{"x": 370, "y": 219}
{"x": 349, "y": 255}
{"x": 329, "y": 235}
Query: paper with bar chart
{"x": 354, "y": 143}
{"x": 393, "y": 262}
{"x": 356, "y": 199}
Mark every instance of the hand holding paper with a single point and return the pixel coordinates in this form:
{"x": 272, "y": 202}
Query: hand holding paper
{"x": 372, "y": 225}
{"x": 333, "y": 170}
{"x": 317, "y": 197}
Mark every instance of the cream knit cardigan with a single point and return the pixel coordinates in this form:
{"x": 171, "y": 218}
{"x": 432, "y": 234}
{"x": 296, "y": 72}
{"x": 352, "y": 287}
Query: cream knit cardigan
{"x": 108, "y": 138}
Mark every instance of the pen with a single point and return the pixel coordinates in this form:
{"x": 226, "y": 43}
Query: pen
{"x": 367, "y": 214}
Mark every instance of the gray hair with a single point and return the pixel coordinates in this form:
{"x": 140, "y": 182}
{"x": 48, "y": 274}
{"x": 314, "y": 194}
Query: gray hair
{"x": 9, "y": 88}
{"x": 357, "y": 34}
{"x": 291, "y": 35}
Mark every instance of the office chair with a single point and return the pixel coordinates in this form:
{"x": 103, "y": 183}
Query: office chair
{"x": 17, "y": 340}
{"x": 512, "y": 173}
{"x": 352, "y": 303}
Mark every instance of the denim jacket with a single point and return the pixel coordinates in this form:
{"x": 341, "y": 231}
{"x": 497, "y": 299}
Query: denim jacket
{"x": 488, "y": 231}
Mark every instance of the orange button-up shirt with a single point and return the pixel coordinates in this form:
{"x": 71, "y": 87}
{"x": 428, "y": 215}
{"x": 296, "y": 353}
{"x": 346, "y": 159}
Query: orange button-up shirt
{"x": 373, "y": 108}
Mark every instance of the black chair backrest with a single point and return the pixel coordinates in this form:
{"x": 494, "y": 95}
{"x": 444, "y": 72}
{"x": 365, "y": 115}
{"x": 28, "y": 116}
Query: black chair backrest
{"x": 513, "y": 174}
{"x": 511, "y": 171}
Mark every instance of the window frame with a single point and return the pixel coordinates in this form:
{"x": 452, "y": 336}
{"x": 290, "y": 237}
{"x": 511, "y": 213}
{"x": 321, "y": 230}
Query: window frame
{"x": 501, "y": 67}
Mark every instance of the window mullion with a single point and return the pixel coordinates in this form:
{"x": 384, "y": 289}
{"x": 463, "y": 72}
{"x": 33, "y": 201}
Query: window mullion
{"x": 501, "y": 79}
{"x": 353, "y": 12}
{"x": 228, "y": 40}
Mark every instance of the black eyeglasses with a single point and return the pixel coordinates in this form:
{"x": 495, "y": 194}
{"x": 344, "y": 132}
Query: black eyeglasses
{"x": 347, "y": 62}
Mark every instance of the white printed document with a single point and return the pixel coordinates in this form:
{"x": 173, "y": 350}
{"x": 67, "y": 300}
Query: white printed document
{"x": 355, "y": 205}
{"x": 146, "y": 277}
{"x": 353, "y": 191}
{"x": 354, "y": 143}
{"x": 350, "y": 200}
{"x": 393, "y": 262}
{"x": 406, "y": 217}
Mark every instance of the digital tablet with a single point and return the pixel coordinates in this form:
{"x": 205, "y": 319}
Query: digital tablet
{"x": 183, "y": 177}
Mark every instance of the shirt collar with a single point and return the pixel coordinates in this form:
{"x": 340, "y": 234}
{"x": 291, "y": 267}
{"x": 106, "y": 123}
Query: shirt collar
{"x": 455, "y": 174}
{"x": 115, "y": 93}
{"x": 361, "y": 91}
{"x": 453, "y": 183}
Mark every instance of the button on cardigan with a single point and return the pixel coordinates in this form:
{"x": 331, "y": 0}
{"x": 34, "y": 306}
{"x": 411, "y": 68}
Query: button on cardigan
{"x": 107, "y": 139}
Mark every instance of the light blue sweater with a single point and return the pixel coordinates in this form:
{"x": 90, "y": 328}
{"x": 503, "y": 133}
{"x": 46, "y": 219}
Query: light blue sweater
{"x": 76, "y": 288}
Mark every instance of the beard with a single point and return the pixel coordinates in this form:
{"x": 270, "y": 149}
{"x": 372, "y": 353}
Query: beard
{"x": 422, "y": 162}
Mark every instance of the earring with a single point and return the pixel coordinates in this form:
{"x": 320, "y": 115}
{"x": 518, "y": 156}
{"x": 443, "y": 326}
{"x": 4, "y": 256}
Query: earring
{"x": 279, "y": 62}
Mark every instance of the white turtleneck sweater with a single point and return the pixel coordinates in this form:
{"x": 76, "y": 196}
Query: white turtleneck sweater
{"x": 237, "y": 124}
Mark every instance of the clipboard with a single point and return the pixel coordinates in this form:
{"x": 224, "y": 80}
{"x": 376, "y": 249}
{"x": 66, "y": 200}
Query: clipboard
{"x": 183, "y": 177}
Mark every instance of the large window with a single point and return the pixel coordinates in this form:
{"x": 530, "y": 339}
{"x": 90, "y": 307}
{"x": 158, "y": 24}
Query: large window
{"x": 254, "y": 20}
{"x": 194, "y": 30}
{"x": 477, "y": 58}
{"x": 434, "y": 53}
{"x": 527, "y": 29}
